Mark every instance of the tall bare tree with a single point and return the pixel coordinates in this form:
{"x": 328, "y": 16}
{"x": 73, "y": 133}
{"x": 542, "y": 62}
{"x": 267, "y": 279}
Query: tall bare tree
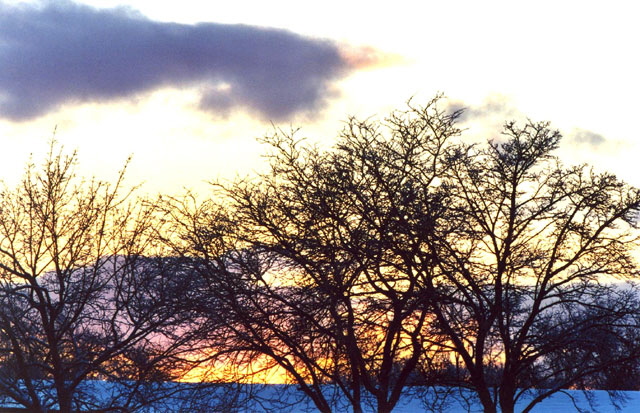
{"x": 80, "y": 297}
{"x": 401, "y": 249}
{"x": 312, "y": 267}
{"x": 531, "y": 269}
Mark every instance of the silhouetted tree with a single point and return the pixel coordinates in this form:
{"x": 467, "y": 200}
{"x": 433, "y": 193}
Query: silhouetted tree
{"x": 79, "y": 298}
{"x": 399, "y": 249}
{"x": 529, "y": 267}
{"x": 312, "y": 267}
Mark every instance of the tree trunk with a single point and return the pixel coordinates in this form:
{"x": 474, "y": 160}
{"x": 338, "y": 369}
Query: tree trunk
{"x": 507, "y": 393}
{"x": 64, "y": 402}
{"x": 384, "y": 407}
{"x": 487, "y": 401}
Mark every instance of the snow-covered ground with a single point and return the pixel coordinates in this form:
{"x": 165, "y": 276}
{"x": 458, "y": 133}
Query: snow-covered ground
{"x": 602, "y": 403}
{"x": 562, "y": 402}
{"x": 568, "y": 401}
{"x": 236, "y": 398}
{"x": 288, "y": 399}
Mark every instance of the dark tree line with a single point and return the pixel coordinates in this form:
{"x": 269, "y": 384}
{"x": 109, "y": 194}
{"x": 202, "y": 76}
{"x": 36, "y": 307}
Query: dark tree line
{"x": 400, "y": 256}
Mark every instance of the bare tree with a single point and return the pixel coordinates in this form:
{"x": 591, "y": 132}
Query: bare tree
{"x": 312, "y": 267}
{"x": 492, "y": 268}
{"x": 80, "y": 297}
{"x": 529, "y": 270}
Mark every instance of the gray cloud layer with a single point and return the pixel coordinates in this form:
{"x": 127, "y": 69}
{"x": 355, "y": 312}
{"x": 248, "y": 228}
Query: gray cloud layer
{"x": 58, "y": 53}
{"x": 493, "y": 105}
{"x": 581, "y": 136}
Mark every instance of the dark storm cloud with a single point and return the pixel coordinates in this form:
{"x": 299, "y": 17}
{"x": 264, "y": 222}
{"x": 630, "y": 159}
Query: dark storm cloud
{"x": 57, "y": 53}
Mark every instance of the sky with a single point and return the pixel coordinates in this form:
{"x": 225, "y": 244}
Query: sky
{"x": 187, "y": 87}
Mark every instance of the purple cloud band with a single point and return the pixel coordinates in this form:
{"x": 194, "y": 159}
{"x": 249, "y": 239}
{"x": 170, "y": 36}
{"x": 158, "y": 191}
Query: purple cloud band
{"x": 58, "y": 53}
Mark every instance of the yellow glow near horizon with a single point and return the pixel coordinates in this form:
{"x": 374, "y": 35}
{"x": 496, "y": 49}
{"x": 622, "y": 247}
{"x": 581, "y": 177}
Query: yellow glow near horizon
{"x": 229, "y": 373}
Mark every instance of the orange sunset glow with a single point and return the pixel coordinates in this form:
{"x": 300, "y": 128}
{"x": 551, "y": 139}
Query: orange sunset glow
{"x": 330, "y": 206}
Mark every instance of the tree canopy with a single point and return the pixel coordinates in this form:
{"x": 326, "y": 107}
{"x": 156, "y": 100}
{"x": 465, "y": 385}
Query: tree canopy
{"x": 403, "y": 252}
{"x": 81, "y": 296}
{"x": 399, "y": 258}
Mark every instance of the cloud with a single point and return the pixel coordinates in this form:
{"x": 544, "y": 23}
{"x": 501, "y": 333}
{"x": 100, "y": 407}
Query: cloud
{"x": 491, "y": 114}
{"x": 61, "y": 53}
{"x": 369, "y": 58}
{"x": 585, "y": 137}
{"x": 494, "y": 105}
